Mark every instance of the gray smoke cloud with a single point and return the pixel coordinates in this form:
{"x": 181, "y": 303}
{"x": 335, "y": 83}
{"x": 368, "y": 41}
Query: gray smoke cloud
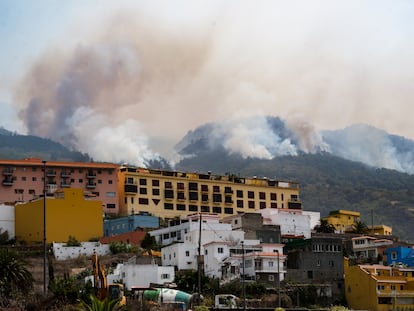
{"x": 129, "y": 86}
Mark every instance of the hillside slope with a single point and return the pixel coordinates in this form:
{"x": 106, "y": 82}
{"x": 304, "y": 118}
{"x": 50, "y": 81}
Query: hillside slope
{"x": 327, "y": 183}
{"x": 15, "y": 146}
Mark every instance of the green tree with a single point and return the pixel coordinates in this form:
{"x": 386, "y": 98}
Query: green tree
{"x": 15, "y": 278}
{"x": 360, "y": 227}
{"x": 325, "y": 227}
{"x": 148, "y": 242}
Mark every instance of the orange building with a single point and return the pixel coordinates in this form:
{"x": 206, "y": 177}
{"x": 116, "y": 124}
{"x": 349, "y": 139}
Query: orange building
{"x": 23, "y": 180}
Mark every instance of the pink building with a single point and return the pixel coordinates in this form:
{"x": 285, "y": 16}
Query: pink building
{"x": 23, "y": 180}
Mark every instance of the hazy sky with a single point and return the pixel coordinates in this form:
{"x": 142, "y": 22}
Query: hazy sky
{"x": 137, "y": 75}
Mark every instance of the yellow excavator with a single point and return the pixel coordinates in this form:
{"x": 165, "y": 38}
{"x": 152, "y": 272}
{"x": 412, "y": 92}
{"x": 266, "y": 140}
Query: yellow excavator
{"x": 112, "y": 291}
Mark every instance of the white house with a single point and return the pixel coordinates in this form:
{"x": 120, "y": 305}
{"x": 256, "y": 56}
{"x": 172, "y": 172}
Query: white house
{"x": 292, "y": 222}
{"x": 131, "y": 274}
{"x": 183, "y": 240}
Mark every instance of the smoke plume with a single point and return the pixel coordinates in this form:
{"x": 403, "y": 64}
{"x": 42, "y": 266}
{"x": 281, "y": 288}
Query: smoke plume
{"x": 154, "y": 71}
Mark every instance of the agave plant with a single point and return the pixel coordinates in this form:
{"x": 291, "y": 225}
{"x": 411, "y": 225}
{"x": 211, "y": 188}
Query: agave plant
{"x": 100, "y": 305}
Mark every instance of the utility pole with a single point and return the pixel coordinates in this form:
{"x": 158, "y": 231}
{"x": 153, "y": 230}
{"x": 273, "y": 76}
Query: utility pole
{"x": 243, "y": 278}
{"x": 278, "y": 277}
{"x": 44, "y": 229}
{"x": 199, "y": 262}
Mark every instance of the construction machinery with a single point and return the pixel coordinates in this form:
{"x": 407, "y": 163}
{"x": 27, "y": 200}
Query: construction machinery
{"x": 100, "y": 283}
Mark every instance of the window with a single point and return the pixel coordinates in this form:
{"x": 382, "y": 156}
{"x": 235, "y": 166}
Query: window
{"x": 271, "y": 278}
{"x": 262, "y": 205}
{"x": 204, "y": 188}
{"x": 110, "y": 205}
{"x": 142, "y": 181}
{"x": 318, "y": 262}
{"x": 270, "y": 263}
{"x": 168, "y": 206}
{"x": 110, "y": 194}
{"x": 168, "y": 185}
{"x": 204, "y": 197}
{"x": 24, "y": 178}
{"x": 228, "y": 210}
{"x": 393, "y": 255}
{"x": 250, "y": 194}
{"x": 193, "y": 196}
{"x": 142, "y": 190}
{"x": 216, "y": 210}
{"x": 205, "y": 209}
{"x": 239, "y": 203}
{"x": 34, "y": 179}
{"x": 143, "y": 201}
{"x": 273, "y": 196}
{"x": 220, "y": 250}
{"x": 193, "y": 186}
{"x": 99, "y": 181}
{"x": 180, "y": 207}
{"x": 251, "y": 204}
{"x": 273, "y": 205}
{"x": 193, "y": 208}
{"x": 81, "y": 180}
{"x": 216, "y": 188}
{"x": 262, "y": 196}
{"x": 180, "y": 186}
{"x": 239, "y": 193}
{"x": 155, "y": 191}
{"x": 217, "y": 197}
{"x": 169, "y": 194}
{"x": 180, "y": 196}
{"x": 310, "y": 274}
{"x": 187, "y": 253}
{"x": 110, "y": 181}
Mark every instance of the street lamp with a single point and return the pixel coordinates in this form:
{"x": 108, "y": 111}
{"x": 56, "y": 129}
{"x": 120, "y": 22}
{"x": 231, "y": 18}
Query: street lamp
{"x": 278, "y": 277}
{"x": 243, "y": 276}
{"x": 44, "y": 228}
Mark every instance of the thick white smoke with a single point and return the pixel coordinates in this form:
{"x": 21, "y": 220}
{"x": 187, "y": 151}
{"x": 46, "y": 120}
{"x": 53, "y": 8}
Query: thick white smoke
{"x": 157, "y": 69}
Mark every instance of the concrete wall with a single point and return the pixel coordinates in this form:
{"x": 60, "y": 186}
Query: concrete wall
{"x": 7, "y": 219}
{"x": 63, "y": 252}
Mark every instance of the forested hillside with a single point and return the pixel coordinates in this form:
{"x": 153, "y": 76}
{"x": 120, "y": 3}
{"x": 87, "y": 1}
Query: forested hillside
{"x": 328, "y": 183}
{"x": 14, "y": 146}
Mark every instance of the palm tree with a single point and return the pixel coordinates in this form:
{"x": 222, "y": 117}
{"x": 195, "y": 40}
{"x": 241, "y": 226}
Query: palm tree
{"x": 100, "y": 305}
{"x": 325, "y": 227}
{"x": 14, "y": 275}
{"x": 360, "y": 227}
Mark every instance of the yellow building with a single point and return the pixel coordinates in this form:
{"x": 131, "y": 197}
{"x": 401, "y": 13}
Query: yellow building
{"x": 68, "y": 213}
{"x": 378, "y": 287}
{"x": 380, "y": 230}
{"x": 343, "y": 220}
{"x": 168, "y": 194}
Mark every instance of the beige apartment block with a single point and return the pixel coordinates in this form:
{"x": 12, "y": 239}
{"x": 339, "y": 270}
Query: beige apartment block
{"x": 170, "y": 194}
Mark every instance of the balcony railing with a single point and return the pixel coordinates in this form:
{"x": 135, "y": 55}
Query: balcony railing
{"x": 91, "y": 185}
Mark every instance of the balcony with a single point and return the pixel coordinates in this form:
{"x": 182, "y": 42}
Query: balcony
{"x": 130, "y": 188}
{"x": 65, "y": 184}
{"x": 50, "y": 173}
{"x": 8, "y": 171}
{"x": 8, "y": 182}
{"x": 65, "y": 174}
{"x": 91, "y": 185}
{"x": 90, "y": 175}
{"x": 294, "y": 204}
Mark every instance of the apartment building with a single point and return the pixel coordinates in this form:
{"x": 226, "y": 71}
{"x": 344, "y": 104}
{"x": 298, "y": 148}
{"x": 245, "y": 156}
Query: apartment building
{"x": 170, "y": 194}
{"x": 379, "y": 287}
{"x": 23, "y": 180}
